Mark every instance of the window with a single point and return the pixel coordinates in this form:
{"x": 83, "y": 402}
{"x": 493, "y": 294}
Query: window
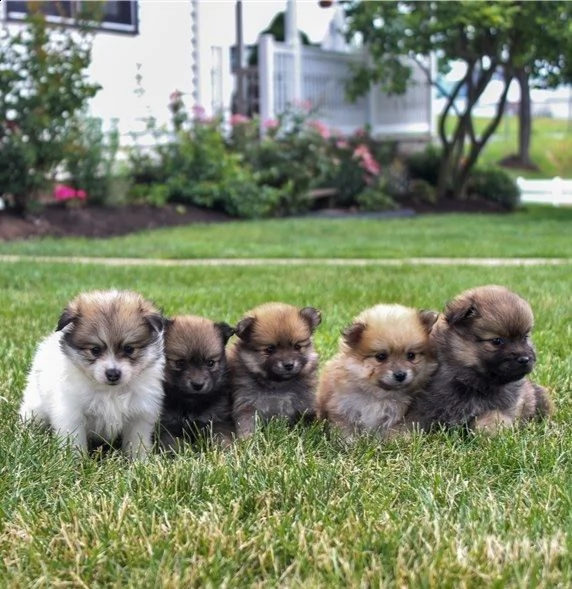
{"x": 119, "y": 16}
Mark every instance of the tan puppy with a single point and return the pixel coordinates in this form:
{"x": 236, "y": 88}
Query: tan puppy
{"x": 384, "y": 359}
{"x": 197, "y": 399}
{"x": 484, "y": 349}
{"x": 273, "y": 365}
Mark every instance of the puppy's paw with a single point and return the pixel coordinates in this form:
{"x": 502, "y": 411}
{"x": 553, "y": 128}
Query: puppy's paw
{"x": 492, "y": 422}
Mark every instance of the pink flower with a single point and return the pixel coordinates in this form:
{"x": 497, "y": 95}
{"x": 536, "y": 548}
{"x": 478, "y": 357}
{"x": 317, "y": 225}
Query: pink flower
{"x": 367, "y": 161}
{"x": 271, "y": 124}
{"x": 320, "y": 128}
{"x": 238, "y": 119}
{"x": 62, "y": 192}
{"x": 342, "y": 144}
{"x": 303, "y": 105}
{"x": 199, "y": 112}
{"x": 175, "y": 96}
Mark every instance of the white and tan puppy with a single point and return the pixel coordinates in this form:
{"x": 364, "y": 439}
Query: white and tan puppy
{"x": 98, "y": 377}
{"x": 384, "y": 360}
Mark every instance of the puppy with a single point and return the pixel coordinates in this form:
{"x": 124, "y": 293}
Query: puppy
{"x": 485, "y": 352}
{"x": 99, "y": 375}
{"x": 197, "y": 399}
{"x": 273, "y": 365}
{"x": 384, "y": 359}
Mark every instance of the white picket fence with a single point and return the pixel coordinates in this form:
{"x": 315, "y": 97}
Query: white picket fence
{"x": 555, "y": 191}
{"x": 322, "y": 79}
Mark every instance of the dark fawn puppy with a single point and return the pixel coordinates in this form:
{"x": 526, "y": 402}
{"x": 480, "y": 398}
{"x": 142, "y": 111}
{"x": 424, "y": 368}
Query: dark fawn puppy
{"x": 485, "y": 353}
{"x": 197, "y": 401}
{"x": 273, "y": 365}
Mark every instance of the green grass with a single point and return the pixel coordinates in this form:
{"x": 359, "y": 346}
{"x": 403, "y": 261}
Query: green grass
{"x": 288, "y": 509}
{"x": 536, "y": 231}
{"x": 550, "y": 146}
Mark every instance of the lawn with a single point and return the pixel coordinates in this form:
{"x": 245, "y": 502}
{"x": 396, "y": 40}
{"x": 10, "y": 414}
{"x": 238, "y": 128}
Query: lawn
{"x": 534, "y": 231}
{"x": 550, "y": 146}
{"x": 290, "y": 508}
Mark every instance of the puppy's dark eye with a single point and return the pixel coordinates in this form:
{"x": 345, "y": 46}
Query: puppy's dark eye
{"x": 411, "y": 356}
{"x": 297, "y": 347}
{"x": 128, "y": 350}
{"x": 381, "y": 357}
{"x": 95, "y": 351}
{"x": 269, "y": 350}
{"x": 497, "y": 341}
{"x": 210, "y": 363}
{"x": 179, "y": 364}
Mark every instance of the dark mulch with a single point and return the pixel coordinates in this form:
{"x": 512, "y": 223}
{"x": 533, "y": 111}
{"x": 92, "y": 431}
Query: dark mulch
{"x": 60, "y": 221}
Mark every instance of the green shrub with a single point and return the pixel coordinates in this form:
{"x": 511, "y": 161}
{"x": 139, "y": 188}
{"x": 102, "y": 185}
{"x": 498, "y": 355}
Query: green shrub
{"x": 494, "y": 184}
{"x": 420, "y": 191}
{"x": 90, "y": 158}
{"x": 424, "y": 165}
{"x": 375, "y": 198}
{"x": 42, "y": 87}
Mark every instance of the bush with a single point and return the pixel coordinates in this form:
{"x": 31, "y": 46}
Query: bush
{"x": 421, "y": 192}
{"x": 375, "y": 198}
{"x": 90, "y": 158}
{"x": 42, "y": 87}
{"x": 424, "y": 165}
{"x": 494, "y": 184}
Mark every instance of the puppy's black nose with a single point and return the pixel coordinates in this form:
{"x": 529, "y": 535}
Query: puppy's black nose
{"x": 113, "y": 374}
{"x": 523, "y": 359}
{"x": 400, "y": 376}
{"x": 288, "y": 366}
{"x": 197, "y": 386}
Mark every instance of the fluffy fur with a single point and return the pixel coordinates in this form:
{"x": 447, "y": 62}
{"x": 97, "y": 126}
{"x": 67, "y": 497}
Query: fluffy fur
{"x": 274, "y": 365}
{"x": 485, "y": 352}
{"x": 384, "y": 359}
{"x": 98, "y": 376}
{"x": 197, "y": 399}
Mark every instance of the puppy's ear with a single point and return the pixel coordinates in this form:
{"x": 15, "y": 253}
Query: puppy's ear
{"x": 157, "y": 322}
{"x": 68, "y": 316}
{"x": 460, "y": 311}
{"x": 225, "y": 330}
{"x": 428, "y": 319}
{"x": 244, "y": 328}
{"x": 352, "y": 334}
{"x": 311, "y": 316}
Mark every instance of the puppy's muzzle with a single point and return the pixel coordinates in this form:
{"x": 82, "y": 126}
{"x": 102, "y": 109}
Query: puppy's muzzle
{"x": 113, "y": 375}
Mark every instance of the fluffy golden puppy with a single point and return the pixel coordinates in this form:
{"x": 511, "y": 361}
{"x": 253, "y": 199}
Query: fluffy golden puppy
{"x": 485, "y": 352}
{"x": 384, "y": 359}
{"x": 273, "y": 365}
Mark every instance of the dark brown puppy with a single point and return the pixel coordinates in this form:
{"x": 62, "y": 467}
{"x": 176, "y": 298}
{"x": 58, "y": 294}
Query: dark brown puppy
{"x": 273, "y": 365}
{"x": 197, "y": 397}
{"x": 484, "y": 350}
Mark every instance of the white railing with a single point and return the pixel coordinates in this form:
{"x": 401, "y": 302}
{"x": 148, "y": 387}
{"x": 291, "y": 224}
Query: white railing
{"x": 324, "y": 75}
{"x": 555, "y": 191}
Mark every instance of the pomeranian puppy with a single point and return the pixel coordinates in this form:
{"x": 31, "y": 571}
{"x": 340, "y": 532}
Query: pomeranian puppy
{"x": 273, "y": 365}
{"x": 485, "y": 353}
{"x": 197, "y": 398}
{"x": 384, "y": 359}
{"x": 99, "y": 375}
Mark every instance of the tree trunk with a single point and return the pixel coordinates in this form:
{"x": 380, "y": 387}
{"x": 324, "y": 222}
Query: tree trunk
{"x": 524, "y": 119}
